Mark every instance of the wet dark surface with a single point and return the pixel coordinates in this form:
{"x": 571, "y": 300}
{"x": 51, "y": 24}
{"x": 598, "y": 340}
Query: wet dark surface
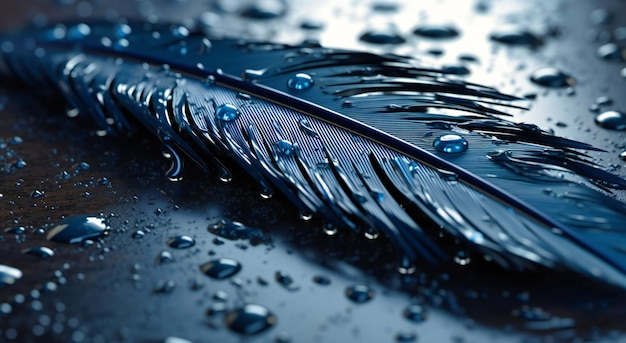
{"x": 120, "y": 288}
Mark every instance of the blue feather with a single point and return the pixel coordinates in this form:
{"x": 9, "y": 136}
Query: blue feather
{"x": 352, "y": 144}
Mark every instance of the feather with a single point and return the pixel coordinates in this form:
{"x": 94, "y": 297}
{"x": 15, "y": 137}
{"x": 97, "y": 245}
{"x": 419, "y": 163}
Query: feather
{"x": 347, "y": 136}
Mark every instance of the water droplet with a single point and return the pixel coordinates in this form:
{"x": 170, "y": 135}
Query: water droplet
{"x": 36, "y": 193}
{"x": 360, "y": 293}
{"x": 175, "y": 172}
{"x": 406, "y": 337}
{"x": 415, "y": 313}
{"x": 613, "y": 120}
{"x": 165, "y": 287}
{"x": 306, "y": 216}
{"x": 372, "y": 233}
{"x": 300, "y": 81}
{"x": 382, "y": 37}
{"x": 164, "y": 256}
{"x": 456, "y": 70}
{"x": 515, "y": 36}
{"x": 285, "y": 148}
{"x": 181, "y": 242}
{"x": 436, "y": 31}
{"x": 227, "y": 112}
{"x": 138, "y": 234}
{"x": 612, "y": 52}
{"x": 250, "y": 319}
{"x": 8, "y": 275}
{"x": 43, "y": 252}
{"x": 175, "y": 340}
{"x": 552, "y": 77}
{"x": 235, "y": 230}
{"x": 450, "y": 144}
{"x": 622, "y": 156}
{"x": 286, "y": 281}
{"x": 462, "y": 259}
{"x": 321, "y": 280}
{"x": 265, "y": 9}
{"x": 221, "y": 268}
{"x": 78, "y": 228}
{"x": 15, "y": 230}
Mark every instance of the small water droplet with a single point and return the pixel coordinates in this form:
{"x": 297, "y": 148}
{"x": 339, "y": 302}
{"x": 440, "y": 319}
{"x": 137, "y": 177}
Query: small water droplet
{"x": 284, "y": 148}
{"x": 165, "y": 287}
{"x": 462, "y": 259}
{"x": 415, "y": 313}
{"x": 286, "y": 281}
{"x": 372, "y": 233}
{"x": 181, "y": 242}
{"x": 321, "y": 280}
{"x": 8, "y": 275}
{"x": 450, "y": 144}
{"x": 612, "y": 52}
{"x": 227, "y": 112}
{"x": 360, "y": 293}
{"x": 436, "y": 31}
{"x": 406, "y": 337}
{"x": 515, "y": 36}
{"x": 164, "y": 256}
{"x": 138, "y": 234}
{"x": 43, "y": 252}
{"x": 552, "y": 78}
{"x": 382, "y": 37}
{"x": 250, "y": 319}
{"x": 15, "y": 230}
{"x": 306, "y": 127}
{"x": 613, "y": 120}
{"x": 300, "y": 81}
{"x": 221, "y": 269}
{"x": 306, "y": 216}
{"x": 36, "y": 193}
{"x": 265, "y": 9}
{"x": 78, "y": 228}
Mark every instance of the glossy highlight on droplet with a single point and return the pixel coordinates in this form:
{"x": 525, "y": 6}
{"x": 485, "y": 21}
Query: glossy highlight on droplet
{"x": 221, "y": 269}
{"x": 450, "y": 144}
{"x": 8, "y": 275}
{"x": 78, "y": 228}
{"x": 227, "y": 112}
{"x": 300, "y": 81}
{"x": 250, "y": 319}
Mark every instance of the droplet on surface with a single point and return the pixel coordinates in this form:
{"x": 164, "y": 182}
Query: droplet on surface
{"x": 265, "y": 9}
{"x": 552, "y": 78}
{"x": 43, "y": 252}
{"x": 78, "y": 228}
{"x": 321, "y": 280}
{"x": 450, "y": 144}
{"x": 16, "y": 230}
{"x": 360, "y": 293}
{"x": 382, "y": 37}
{"x": 221, "y": 269}
{"x": 406, "y": 337}
{"x": 415, "y": 313}
{"x": 515, "y": 36}
{"x": 612, "y": 52}
{"x": 227, "y": 112}
{"x": 164, "y": 256}
{"x": 181, "y": 242}
{"x": 612, "y": 120}
{"x": 300, "y": 81}
{"x": 285, "y": 148}
{"x": 8, "y": 275}
{"x": 250, "y": 319}
{"x": 436, "y": 31}
{"x": 138, "y": 234}
{"x": 462, "y": 259}
{"x": 236, "y": 230}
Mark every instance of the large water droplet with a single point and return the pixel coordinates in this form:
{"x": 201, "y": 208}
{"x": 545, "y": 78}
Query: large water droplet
{"x": 552, "y": 77}
{"x": 221, "y": 268}
{"x": 43, "y": 252}
{"x": 382, "y": 37}
{"x": 181, "y": 242}
{"x": 300, "y": 81}
{"x": 613, "y": 120}
{"x": 227, "y": 112}
{"x": 436, "y": 31}
{"x": 250, "y": 319}
{"x": 450, "y": 144}
{"x": 8, "y": 275}
{"x": 360, "y": 293}
{"x": 415, "y": 313}
{"x": 78, "y": 228}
